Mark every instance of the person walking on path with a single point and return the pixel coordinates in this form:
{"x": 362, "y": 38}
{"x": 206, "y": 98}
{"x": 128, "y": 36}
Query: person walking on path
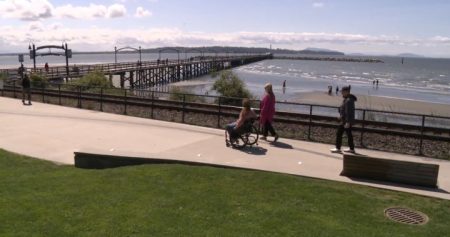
{"x": 346, "y": 119}
{"x": 267, "y": 108}
{"x": 46, "y": 67}
{"x": 21, "y": 70}
{"x": 26, "y": 89}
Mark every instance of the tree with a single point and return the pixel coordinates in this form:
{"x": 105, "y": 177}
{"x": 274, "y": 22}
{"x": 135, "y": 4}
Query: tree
{"x": 230, "y": 85}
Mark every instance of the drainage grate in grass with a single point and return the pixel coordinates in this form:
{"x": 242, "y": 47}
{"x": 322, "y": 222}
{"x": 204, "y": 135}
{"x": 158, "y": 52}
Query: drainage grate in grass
{"x": 406, "y": 216}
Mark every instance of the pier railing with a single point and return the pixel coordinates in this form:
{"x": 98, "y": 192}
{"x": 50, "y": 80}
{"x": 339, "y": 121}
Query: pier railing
{"x": 78, "y": 70}
{"x": 416, "y": 134}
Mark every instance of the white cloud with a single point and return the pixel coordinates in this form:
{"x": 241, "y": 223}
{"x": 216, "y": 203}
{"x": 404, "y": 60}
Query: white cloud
{"x": 318, "y": 4}
{"x": 441, "y": 39}
{"x": 141, "y": 12}
{"x": 116, "y": 10}
{"x": 55, "y": 26}
{"x": 35, "y": 26}
{"x": 27, "y": 10}
{"x": 77, "y": 12}
{"x": 34, "y": 10}
{"x": 90, "y": 12}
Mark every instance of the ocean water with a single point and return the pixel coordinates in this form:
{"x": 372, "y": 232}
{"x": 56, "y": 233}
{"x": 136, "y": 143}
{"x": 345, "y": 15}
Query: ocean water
{"x": 420, "y": 79}
{"x": 423, "y": 79}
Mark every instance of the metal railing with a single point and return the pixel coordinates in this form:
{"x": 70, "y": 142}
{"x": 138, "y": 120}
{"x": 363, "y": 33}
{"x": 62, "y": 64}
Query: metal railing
{"x": 316, "y": 122}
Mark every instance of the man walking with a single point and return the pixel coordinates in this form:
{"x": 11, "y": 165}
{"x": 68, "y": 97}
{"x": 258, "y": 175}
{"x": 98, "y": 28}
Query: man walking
{"x": 26, "y": 89}
{"x": 346, "y": 119}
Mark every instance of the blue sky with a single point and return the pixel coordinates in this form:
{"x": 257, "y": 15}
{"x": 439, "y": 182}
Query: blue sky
{"x": 376, "y": 27}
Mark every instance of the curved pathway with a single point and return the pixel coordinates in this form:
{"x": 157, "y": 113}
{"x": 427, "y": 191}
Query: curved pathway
{"x": 54, "y": 133}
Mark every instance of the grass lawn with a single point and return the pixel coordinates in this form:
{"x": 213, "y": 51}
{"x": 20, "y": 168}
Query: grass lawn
{"x": 38, "y": 198}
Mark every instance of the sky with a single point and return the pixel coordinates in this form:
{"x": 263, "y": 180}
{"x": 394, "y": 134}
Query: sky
{"x": 351, "y": 26}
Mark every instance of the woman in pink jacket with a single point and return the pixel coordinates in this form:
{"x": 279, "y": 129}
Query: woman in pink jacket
{"x": 267, "y": 111}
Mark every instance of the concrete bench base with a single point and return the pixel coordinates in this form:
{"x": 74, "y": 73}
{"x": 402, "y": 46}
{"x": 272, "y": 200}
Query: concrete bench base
{"x": 404, "y": 172}
{"x": 95, "y": 160}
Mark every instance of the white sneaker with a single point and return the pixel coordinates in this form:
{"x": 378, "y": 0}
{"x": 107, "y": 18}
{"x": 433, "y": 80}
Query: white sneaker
{"x": 350, "y": 150}
{"x": 335, "y": 150}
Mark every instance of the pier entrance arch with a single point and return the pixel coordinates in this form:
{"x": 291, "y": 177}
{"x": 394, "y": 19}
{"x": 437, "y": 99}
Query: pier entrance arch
{"x": 116, "y": 50}
{"x": 67, "y": 54}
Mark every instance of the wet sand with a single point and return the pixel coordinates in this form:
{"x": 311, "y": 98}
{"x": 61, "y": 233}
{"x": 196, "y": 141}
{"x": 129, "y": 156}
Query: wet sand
{"x": 377, "y": 103}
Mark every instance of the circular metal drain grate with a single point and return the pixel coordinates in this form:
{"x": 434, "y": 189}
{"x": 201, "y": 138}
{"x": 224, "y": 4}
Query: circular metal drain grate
{"x": 406, "y": 216}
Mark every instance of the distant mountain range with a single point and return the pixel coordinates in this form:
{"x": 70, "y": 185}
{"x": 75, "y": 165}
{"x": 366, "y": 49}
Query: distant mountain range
{"x": 402, "y": 55}
{"x": 410, "y": 55}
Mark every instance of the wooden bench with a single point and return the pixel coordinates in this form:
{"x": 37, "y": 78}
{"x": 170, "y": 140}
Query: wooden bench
{"x": 405, "y": 172}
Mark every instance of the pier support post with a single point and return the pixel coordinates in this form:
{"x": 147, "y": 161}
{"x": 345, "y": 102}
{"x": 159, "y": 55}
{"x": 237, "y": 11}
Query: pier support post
{"x": 122, "y": 80}
{"x": 131, "y": 79}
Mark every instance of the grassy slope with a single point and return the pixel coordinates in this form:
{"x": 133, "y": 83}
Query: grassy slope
{"x": 38, "y": 198}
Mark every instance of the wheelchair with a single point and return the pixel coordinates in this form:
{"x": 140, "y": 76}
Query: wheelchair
{"x": 246, "y": 135}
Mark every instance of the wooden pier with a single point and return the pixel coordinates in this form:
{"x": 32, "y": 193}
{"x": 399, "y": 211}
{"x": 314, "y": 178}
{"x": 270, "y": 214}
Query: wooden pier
{"x": 145, "y": 74}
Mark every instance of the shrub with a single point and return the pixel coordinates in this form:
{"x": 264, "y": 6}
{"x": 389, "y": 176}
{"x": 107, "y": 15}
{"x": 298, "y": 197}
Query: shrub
{"x": 2, "y": 80}
{"x": 213, "y": 73}
{"x": 92, "y": 82}
{"x": 93, "y": 79}
{"x": 230, "y": 85}
{"x": 177, "y": 93}
{"x": 38, "y": 80}
{"x": 2, "y": 76}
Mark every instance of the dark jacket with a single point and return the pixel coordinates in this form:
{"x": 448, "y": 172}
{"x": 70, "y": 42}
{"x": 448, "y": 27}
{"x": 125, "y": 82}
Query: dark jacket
{"x": 347, "y": 109}
{"x": 26, "y": 84}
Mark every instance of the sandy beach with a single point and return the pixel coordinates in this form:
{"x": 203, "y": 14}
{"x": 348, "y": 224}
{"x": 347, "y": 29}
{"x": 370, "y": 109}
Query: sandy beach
{"x": 377, "y": 103}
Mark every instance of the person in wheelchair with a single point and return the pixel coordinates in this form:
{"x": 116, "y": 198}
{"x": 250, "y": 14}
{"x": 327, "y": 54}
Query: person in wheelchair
{"x": 246, "y": 118}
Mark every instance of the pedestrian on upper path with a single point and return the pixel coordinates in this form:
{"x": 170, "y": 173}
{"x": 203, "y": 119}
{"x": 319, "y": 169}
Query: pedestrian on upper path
{"x": 26, "y": 89}
{"x": 346, "y": 121}
{"x": 267, "y": 108}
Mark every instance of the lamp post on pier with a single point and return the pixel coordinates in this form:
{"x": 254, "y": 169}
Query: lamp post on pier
{"x": 66, "y": 53}
{"x": 32, "y": 54}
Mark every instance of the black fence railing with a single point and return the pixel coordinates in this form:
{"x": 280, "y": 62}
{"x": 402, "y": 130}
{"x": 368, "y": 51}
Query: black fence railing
{"x": 381, "y": 130}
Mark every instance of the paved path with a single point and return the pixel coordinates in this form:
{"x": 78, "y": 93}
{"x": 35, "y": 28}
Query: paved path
{"x": 53, "y": 133}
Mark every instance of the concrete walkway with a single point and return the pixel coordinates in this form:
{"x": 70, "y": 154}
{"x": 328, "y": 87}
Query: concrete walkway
{"x": 53, "y": 133}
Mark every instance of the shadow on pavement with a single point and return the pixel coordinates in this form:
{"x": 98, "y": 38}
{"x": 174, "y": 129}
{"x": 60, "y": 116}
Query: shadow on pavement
{"x": 325, "y": 153}
{"x": 281, "y": 145}
{"x": 254, "y": 150}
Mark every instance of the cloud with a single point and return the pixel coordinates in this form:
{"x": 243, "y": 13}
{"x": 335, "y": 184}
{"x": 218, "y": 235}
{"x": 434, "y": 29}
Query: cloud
{"x": 99, "y": 38}
{"x": 26, "y": 10}
{"x": 116, "y": 10}
{"x": 441, "y": 39}
{"x": 318, "y": 4}
{"x": 35, "y": 26}
{"x": 90, "y": 12}
{"x": 35, "y": 10}
{"x": 141, "y": 12}
{"x": 55, "y": 26}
